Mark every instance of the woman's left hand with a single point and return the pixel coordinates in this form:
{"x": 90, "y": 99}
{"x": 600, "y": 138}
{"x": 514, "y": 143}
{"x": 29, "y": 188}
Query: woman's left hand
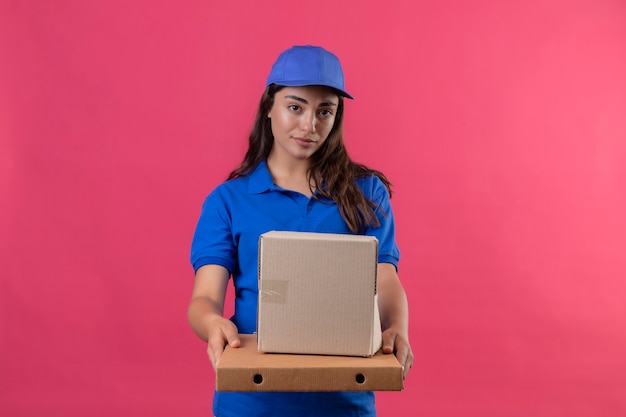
{"x": 398, "y": 344}
{"x": 394, "y": 316}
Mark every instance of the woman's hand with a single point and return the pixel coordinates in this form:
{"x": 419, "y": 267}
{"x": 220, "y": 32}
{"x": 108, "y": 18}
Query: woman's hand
{"x": 220, "y": 332}
{"x": 394, "y": 342}
{"x": 206, "y": 310}
{"x": 394, "y": 316}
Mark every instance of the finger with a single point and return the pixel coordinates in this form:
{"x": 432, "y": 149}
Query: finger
{"x": 216, "y": 348}
{"x": 405, "y": 357}
{"x": 407, "y": 367}
{"x": 233, "y": 339}
{"x": 389, "y": 340}
{"x": 401, "y": 356}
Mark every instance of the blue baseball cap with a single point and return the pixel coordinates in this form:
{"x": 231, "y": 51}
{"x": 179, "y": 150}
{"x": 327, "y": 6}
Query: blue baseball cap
{"x": 308, "y": 65}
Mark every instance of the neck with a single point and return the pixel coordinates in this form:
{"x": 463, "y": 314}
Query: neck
{"x": 290, "y": 175}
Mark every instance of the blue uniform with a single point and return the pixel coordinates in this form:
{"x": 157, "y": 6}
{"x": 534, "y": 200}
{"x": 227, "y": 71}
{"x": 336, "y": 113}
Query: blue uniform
{"x": 233, "y": 217}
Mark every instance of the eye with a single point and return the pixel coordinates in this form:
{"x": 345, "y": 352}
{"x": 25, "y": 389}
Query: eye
{"x": 293, "y": 107}
{"x": 326, "y": 112}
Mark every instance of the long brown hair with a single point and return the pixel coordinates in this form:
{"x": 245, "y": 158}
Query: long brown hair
{"x": 332, "y": 170}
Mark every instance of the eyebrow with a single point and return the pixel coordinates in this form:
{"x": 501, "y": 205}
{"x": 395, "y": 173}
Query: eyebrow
{"x": 300, "y": 99}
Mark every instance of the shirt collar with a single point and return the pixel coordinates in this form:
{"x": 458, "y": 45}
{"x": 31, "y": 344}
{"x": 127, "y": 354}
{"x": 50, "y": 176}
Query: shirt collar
{"x": 260, "y": 179}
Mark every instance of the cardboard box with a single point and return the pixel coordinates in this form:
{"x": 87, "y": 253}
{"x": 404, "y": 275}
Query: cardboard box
{"x": 247, "y": 369}
{"x": 317, "y": 294}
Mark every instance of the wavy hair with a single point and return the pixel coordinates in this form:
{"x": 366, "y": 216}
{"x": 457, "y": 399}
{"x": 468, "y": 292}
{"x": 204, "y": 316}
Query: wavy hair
{"x": 332, "y": 171}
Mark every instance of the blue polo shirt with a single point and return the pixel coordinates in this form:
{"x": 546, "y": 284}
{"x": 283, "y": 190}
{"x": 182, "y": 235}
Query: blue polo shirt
{"x": 233, "y": 217}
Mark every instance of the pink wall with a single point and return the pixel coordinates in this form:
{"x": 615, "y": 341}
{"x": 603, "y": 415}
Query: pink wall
{"x": 501, "y": 123}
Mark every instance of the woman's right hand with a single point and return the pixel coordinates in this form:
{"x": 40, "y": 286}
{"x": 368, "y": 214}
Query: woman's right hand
{"x": 206, "y": 311}
{"x": 220, "y": 332}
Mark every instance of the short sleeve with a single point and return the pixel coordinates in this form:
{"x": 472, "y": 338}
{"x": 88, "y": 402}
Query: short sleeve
{"x": 376, "y": 191}
{"x": 213, "y": 241}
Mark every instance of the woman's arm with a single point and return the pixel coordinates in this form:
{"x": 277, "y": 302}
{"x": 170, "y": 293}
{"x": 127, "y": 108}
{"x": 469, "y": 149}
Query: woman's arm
{"x": 394, "y": 315}
{"x": 206, "y": 308}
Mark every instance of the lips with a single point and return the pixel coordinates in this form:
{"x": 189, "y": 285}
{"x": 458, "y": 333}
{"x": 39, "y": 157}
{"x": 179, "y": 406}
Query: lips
{"x": 304, "y": 141}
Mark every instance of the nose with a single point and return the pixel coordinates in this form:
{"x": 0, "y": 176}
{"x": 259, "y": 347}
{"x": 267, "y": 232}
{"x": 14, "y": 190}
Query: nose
{"x": 308, "y": 122}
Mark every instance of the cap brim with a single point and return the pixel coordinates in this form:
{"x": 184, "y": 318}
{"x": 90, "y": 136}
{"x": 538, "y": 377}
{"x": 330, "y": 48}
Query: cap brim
{"x": 341, "y": 92}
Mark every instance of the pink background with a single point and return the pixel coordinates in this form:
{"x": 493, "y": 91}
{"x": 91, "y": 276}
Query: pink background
{"x": 501, "y": 123}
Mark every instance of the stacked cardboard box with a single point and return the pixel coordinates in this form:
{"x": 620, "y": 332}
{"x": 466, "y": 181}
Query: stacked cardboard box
{"x": 318, "y": 323}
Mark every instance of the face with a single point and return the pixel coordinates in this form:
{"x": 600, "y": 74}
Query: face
{"x": 301, "y": 119}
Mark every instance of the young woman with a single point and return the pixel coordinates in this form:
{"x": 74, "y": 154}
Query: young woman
{"x": 295, "y": 176}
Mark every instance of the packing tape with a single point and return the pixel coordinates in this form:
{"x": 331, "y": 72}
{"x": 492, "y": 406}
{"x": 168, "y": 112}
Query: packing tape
{"x": 273, "y": 291}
